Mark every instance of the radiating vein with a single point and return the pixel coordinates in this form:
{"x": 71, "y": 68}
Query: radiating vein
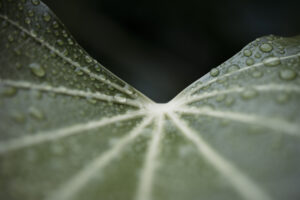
{"x": 240, "y": 181}
{"x": 67, "y": 91}
{"x": 193, "y": 90}
{"x": 268, "y": 122}
{"x": 73, "y": 186}
{"x": 33, "y": 139}
{"x": 67, "y": 59}
{"x": 266, "y": 88}
{"x": 147, "y": 174}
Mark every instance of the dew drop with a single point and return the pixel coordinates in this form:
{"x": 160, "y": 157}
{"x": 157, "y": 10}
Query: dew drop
{"x": 27, "y": 20}
{"x": 214, "y": 72}
{"x": 88, "y": 59}
{"x": 220, "y": 98}
{"x": 271, "y": 61}
{"x": 70, "y": 41}
{"x": 55, "y": 24}
{"x": 10, "y": 38}
{"x": 35, "y": 113}
{"x": 18, "y": 117}
{"x": 18, "y": 65}
{"x": 37, "y": 69}
{"x": 97, "y": 68}
{"x": 91, "y": 100}
{"x": 60, "y": 42}
{"x": 128, "y": 89}
{"x": 33, "y": 33}
{"x": 30, "y": 13}
{"x": 249, "y": 93}
{"x": 249, "y": 61}
{"x": 266, "y": 47}
{"x": 229, "y": 101}
{"x": 282, "y": 98}
{"x": 46, "y": 17}
{"x": 233, "y": 68}
{"x": 20, "y": 6}
{"x": 102, "y": 77}
{"x": 257, "y": 55}
{"x": 287, "y": 74}
{"x": 247, "y": 52}
{"x": 10, "y": 92}
{"x": 120, "y": 98}
{"x": 35, "y": 2}
{"x": 78, "y": 71}
{"x": 257, "y": 74}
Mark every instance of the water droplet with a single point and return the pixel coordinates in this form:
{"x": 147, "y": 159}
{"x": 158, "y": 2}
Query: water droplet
{"x": 37, "y": 69}
{"x": 249, "y": 61}
{"x": 78, "y": 71}
{"x": 249, "y": 93}
{"x": 10, "y": 92}
{"x": 27, "y": 20}
{"x": 214, "y": 72}
{"x": 282, "y": 98}
{"x": 120, "y": 98}
{"x": 266, "y": 47}
{"x": 91, "y": 100}
{"x": 10, "y": 38}
{"x": 102, "y": 77}
{"x": 46, "y": 17}
{"x": 20, "y": 6}
{"x": 287, "y": 74}
{"x": 247, "y": 52}
{"x": 18, "y": 117}
{"x": 30, "y": 13}
{"x": 128, "y": 89}
{"x": 55, "y": 24}
{"x": 233, "y": 68}
{"x": 220, "y": 98}
{"x": 35, "y": 2}
{"x": 33, "y": 33}
{"x": 271, "y": 61}
{"x": 35, "y": 113}
{"x": 18, "y": 65}
{"x": 97, "y": 68}
{"x": 60, "y": 42}
{"x": 229, "y": 101}
{"x": 70, "y": 41}
{"x": 257, "y": 74}
{"x": 257, "y": 55}
{"x": 88, "y": 59}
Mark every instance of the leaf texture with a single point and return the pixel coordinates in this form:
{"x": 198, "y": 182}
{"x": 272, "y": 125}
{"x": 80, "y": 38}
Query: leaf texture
{"x": 72, "y": 130}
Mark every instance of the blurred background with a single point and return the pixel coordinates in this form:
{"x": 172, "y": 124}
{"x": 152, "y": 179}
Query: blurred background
{"x": 161, "y": 47}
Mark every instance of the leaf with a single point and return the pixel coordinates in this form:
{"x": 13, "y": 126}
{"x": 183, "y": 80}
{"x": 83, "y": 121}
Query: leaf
{"x": 70, "y": 129}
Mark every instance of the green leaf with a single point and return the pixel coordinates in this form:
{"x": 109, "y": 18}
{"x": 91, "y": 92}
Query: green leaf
{"x": 70, "y": 129}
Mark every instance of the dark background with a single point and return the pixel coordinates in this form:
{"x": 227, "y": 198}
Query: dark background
{"x": 160, "y": 47}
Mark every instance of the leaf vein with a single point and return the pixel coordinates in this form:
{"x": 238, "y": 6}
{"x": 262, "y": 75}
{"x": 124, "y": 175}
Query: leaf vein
{"x": 240, "y": 181}
{"x": 34, "y": 139}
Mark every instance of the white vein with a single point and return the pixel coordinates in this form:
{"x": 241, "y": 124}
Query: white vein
{"x": 78, "y": 181}
{"x": 240, "y": 181}
{"x": 67, "y": 59}
{"x": 147, "y": 174}
{"x": 266, "y": 88}
{"x": 271, "y": 123}
{"x": 33, "y": 139}
{"x": 270, "y": 60}
{"x": 67, "y": 91}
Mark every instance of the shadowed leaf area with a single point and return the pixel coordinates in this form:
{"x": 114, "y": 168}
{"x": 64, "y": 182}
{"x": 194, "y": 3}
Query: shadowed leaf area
{"x": 71, "y": 130}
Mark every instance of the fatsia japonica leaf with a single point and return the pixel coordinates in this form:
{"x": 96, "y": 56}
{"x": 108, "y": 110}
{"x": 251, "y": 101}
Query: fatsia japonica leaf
{"x": 71, "y": 130}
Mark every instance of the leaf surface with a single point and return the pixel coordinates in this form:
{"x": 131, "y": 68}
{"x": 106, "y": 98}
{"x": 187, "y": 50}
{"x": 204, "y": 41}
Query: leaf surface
{"x": 70, "y": 129}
